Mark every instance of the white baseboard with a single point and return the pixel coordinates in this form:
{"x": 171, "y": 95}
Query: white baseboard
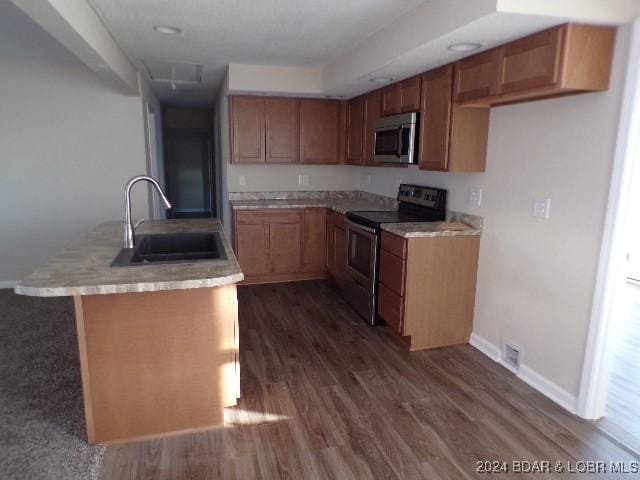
{"x": 8, "y": 283}
{"x": 532, "y": 378}
{"x": 486, "y": 347}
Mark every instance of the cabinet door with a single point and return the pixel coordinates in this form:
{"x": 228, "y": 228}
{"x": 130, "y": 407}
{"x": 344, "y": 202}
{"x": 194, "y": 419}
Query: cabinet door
{"x": 476, "y": 77}
{"x": 248, "y": 132}
{"x": 531, "y": 62}
{"x": 314, "y": 242}
{"x": 340, "y": 248}
{"x": 410, "y": 95}
{"x": 319, "y": 131}
{"x": 355, "y": 128}
{"x": 282, "y": 123}
{"x": 435, "y": 119}
{"x": 253, "y": 245}
{"x": 284, "y": 239}
{"x": 331, "y": 245}
{"x": 371, "y": 116}
{"x": 390, "y": 100}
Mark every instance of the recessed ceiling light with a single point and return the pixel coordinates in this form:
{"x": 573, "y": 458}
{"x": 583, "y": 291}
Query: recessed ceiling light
{"x": 381, "y": 79}
{"x": 464, "y": 47}
{"x": 167, "y": 29}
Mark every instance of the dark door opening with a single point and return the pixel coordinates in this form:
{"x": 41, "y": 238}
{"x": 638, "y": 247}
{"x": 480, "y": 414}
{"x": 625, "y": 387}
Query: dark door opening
{"x": 189, "y": 166}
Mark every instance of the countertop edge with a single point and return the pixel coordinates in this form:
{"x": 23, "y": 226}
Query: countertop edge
{"x": 128, "y": 287}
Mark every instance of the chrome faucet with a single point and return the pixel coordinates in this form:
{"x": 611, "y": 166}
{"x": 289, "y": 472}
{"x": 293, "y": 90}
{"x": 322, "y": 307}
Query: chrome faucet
{"x": 129, "y": 228}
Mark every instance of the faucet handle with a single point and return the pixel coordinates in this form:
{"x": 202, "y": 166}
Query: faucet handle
{"x": 138, "y": 223}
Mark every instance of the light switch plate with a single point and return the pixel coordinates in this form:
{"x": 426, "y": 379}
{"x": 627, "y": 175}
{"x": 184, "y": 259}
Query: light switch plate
{"x": 541, "y": 207}
{"x": 303, "y": 179}
{"x": 242, "y": 180}
{"x": 475, "y": 196}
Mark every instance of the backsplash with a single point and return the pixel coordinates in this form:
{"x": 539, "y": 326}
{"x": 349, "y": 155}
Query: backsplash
{"x": 388, "y": 202}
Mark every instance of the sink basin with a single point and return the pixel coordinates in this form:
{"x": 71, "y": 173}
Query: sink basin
{"x": 172, "y": 248}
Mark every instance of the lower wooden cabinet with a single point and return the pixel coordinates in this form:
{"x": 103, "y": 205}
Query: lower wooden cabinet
{"x": 277, "y": 245}
{"x": 336, "y": 247}
{"x": 427, "y": 286}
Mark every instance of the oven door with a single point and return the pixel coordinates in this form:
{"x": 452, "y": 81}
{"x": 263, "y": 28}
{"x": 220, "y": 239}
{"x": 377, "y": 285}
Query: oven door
{"x": 362, "y": 255}
{"x": 387, "y": 144}
{"x": 395, "y": 144}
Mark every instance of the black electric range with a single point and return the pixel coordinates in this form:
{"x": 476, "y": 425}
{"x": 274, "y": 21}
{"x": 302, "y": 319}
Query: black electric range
{"x": 416, "y": 204}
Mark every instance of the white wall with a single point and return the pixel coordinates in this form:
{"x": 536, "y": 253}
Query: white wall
{"x": 68, "y": 144}
{"x": 536, "y": 277}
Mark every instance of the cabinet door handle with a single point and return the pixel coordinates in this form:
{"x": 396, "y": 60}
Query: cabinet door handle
{"x": 267, "y": 234}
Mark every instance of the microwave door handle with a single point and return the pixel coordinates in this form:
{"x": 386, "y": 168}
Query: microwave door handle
{"x": 399, "y": 142}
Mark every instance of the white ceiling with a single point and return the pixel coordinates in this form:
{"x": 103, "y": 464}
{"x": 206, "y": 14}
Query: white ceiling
{"x": 216, "y": 33}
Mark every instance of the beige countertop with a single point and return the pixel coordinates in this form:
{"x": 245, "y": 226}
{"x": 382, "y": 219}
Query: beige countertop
{"x": 456, "y": 224}
{"x": 340, "y": 205}
{"x": 85, "y": 268}
{"x": 430, "y": 229}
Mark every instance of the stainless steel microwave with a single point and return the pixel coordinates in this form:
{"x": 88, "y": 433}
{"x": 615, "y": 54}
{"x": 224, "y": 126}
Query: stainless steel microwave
{"x": 396, "y": 140}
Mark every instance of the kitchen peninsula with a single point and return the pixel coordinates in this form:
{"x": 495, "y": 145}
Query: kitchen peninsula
{"x": 158, "y": 343}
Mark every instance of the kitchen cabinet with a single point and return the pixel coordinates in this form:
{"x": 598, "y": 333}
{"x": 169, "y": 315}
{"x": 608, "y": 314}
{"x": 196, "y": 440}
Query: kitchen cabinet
{"x": 371, "y": 115}
{"x": 426, "y": 288}
{"x": 276, "y": 245}
{"x": 315, "y": 240}
{"x": 336, "y": 246}
{"x": 282, "y": 130}
{"x": 452, "y": 138}
{"x": 247, "y": 129}
{"x": 563, "y": 60}
{"x": 355, "y": 130}
{"x": 401, "y": 97}
{"x": 286, "y": 130}
{"x": 320, "y": 131}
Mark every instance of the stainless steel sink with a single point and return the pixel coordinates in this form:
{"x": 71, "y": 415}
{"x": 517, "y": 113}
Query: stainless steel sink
{"x": 172, "y": 248}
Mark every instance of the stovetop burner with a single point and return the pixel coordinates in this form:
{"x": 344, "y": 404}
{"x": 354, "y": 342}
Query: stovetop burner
{"x": 417, "y": 204}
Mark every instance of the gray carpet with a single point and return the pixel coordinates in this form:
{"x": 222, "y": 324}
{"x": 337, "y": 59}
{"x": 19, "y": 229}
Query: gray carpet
{"x": 42, "y": 429}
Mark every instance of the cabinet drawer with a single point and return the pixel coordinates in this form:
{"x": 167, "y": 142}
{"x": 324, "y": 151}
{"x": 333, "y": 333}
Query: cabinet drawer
{"x": 261, "y": 217}
{"x": 391, "y": 308}
{"x": 392, "y": 272}
{"x": 394, "y": 244}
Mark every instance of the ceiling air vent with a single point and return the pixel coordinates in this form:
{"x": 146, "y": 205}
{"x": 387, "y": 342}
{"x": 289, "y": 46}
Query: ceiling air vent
{"x": 174, "y": 72}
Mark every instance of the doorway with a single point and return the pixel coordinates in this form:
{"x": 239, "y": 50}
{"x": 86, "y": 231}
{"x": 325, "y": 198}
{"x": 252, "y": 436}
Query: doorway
{"x": 610, "y": 387}
{"x": 189, "y": 166}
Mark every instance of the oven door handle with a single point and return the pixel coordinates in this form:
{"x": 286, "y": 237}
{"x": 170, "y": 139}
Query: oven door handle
{"x": 357, "y": 226}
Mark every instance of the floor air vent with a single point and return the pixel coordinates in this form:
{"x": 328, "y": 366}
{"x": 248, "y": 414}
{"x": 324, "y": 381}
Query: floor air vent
{"x": 511, "y": 356}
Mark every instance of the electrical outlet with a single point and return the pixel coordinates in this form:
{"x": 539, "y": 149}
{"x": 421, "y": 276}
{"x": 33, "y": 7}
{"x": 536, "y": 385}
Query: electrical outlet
{"x": 303, "y": 180}
{"x": 242, "y": 180}
{"x": 541, "y": 207}
{"x": 475, "y": 196}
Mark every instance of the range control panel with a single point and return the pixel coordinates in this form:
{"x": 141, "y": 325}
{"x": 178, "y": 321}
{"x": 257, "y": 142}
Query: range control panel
{"x": 430, "y": 197}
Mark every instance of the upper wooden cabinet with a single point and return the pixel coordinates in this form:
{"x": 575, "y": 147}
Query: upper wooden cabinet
{"x": 476, "y": 77}
{"x": 452, "y": 138}
{"x": 247, "y": 129}
{"x": 355, "y": 130}
{"x": 371, "y": 115}
{"x": 282, "y": 122}
{"x": 401, "y": 97}
{"x": 319, "y": 131}
{"x": 285, "y": 130}
{"x": 563, "y": 60}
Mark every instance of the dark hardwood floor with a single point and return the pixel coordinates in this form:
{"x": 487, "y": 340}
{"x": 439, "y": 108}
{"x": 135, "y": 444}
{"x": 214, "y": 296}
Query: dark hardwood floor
{"x": 326, "y": 396}
{"x": 622, "y": 419}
